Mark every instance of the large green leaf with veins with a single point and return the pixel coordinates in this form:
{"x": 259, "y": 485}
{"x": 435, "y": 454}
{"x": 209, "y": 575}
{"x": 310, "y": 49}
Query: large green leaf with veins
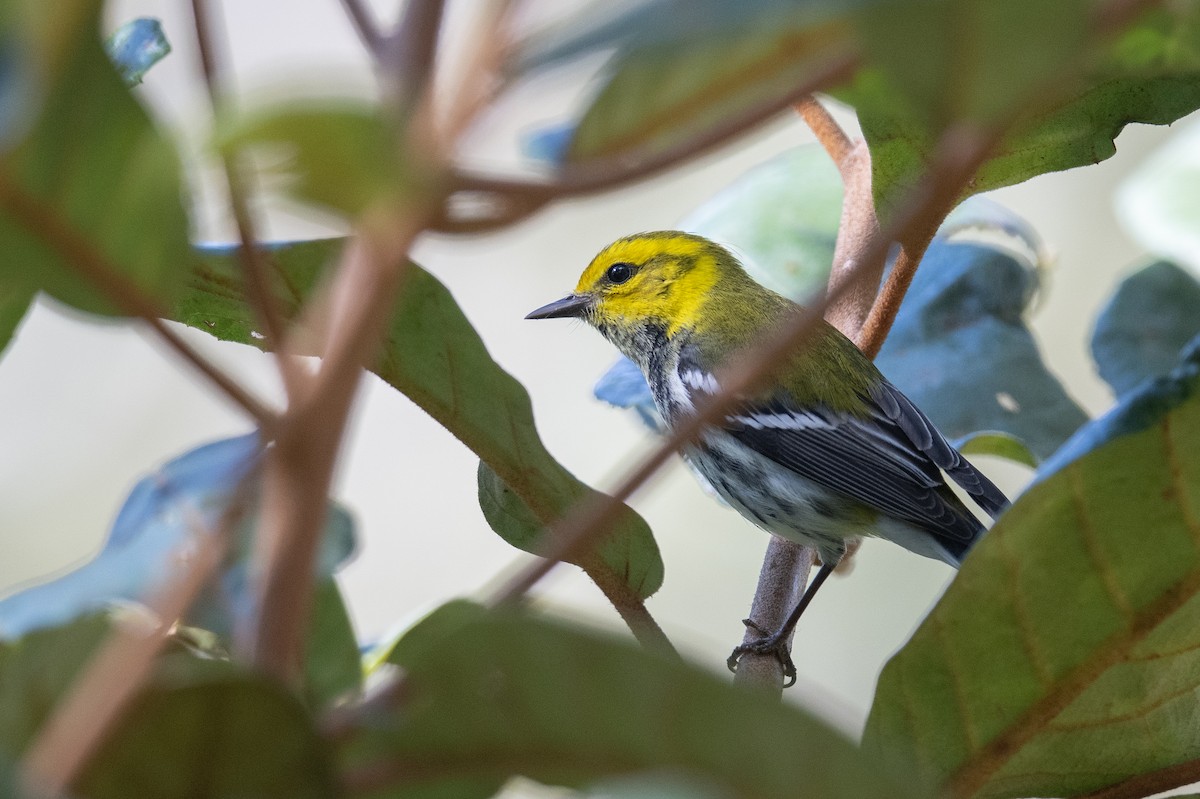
{"x": 1065, "y": 657}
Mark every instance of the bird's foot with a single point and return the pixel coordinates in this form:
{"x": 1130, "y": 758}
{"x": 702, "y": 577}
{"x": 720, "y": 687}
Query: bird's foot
{"x": 770, "y": 644}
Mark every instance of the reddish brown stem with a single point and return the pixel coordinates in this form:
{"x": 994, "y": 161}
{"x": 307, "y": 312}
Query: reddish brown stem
{"x": 828, "y": 132}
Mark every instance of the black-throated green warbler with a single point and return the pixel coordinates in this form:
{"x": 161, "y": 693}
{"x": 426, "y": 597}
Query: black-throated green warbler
{"x": 827, "y": 452}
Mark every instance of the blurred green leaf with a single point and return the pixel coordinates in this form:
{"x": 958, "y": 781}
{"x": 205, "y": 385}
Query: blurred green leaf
{"x": 14, "y": 303}
{"x": 93, "y": 162}
{"x": 218, "y": 737}
{"x": 678, "y": 69}
{"x": 1140, "y": 332}
{"x": 339, "y": 156}
{"x": 659, "y": 96}
{"x": 434, "y": 356}
{"x": 35, "y": 671}
{"x": 624, "y": 28}
{"x": 949, "y": 60}
{"x": 566, "y": 707}
{"x": 1075, "y": 96}
{"x": 135, "y": 47}
{"x": 332, "y": 666}
{"x": 999, "y": 445}
{"x": 1064, "y": 657}
{"x": 413, "y": 646}
{"x": 414, "y": 643}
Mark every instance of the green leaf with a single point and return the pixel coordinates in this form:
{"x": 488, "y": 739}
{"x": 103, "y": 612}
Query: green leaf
{"x": 997, "y": 444}
{"x": 563, "y": 706}
{"x": 922, "y": 78}
{"x": 681, "y": 69}
{"x": 412, "y": 646}
{"x": 1140, "y": 332}
{"x": 14, "y": 302}
{"x": 219, "y": 737}
{"x": 92, "y": 162}
{"x": 434, "y": 356}
{"x": 35, "y": 671}
{"x": 1063, "y": 658}
{"x": 340, "y": 156}
{"x": 332, "y": 666}
{"x": 512, "y": 519}
{"x": 659, "y": 96}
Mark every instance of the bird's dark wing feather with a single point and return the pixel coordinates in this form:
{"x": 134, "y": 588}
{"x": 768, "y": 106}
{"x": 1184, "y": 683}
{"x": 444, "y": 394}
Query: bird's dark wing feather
{"x": 889, "y": 461}
{"x": 920, "y": 431}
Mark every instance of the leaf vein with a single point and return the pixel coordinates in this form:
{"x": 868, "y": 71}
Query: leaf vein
{"x": 1087, "y": 530}
{"x": 1029, "y": 640}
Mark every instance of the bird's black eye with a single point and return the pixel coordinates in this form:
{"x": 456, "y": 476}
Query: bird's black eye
{"x": 619, "y": 273}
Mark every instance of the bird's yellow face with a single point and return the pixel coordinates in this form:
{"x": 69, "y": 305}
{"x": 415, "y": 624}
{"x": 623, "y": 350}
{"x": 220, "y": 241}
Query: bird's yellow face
{"x": 658, "y": 278}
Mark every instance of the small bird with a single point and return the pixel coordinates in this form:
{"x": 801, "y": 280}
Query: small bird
{"x": 827, "y": 452}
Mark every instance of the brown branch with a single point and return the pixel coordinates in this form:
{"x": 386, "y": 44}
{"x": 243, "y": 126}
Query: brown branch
{"x": 781, "y": 583}
{"x": 299, "y": 468}
{"x": 518, "y": 199}
{"x": 364, "y": 25}
{"x": 408, "y": 56}
{"x": 254, "y": 266}
{"x": 80, "y": 255}
{"x": 828, "y": 132}
{"x": 99, "y": 696}
{"x": 1150, "y": 783}
{"x": 356, "y": 309}
{"x": 883, "y": 313}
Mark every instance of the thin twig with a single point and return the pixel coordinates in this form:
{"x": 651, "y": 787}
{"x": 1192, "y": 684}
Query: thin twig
{"x": 887, "y": 305}
{"x": 857, "y": 230}
{"x": 81, "y": 256}
{"x": 254, "y": 266}
{"x": 364, "y": 25}
{"x": 828, "y": 132}
{"x": 97, "y": 698}
{"x": 515, "y": 199}
{"x": 408, "y": 57}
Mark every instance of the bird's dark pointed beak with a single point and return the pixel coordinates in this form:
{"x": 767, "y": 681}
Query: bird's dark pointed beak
{"x": 573, "y": 305}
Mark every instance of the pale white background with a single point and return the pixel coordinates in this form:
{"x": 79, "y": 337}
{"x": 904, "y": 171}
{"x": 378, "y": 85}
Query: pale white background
{"x": 86, "y": 408}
